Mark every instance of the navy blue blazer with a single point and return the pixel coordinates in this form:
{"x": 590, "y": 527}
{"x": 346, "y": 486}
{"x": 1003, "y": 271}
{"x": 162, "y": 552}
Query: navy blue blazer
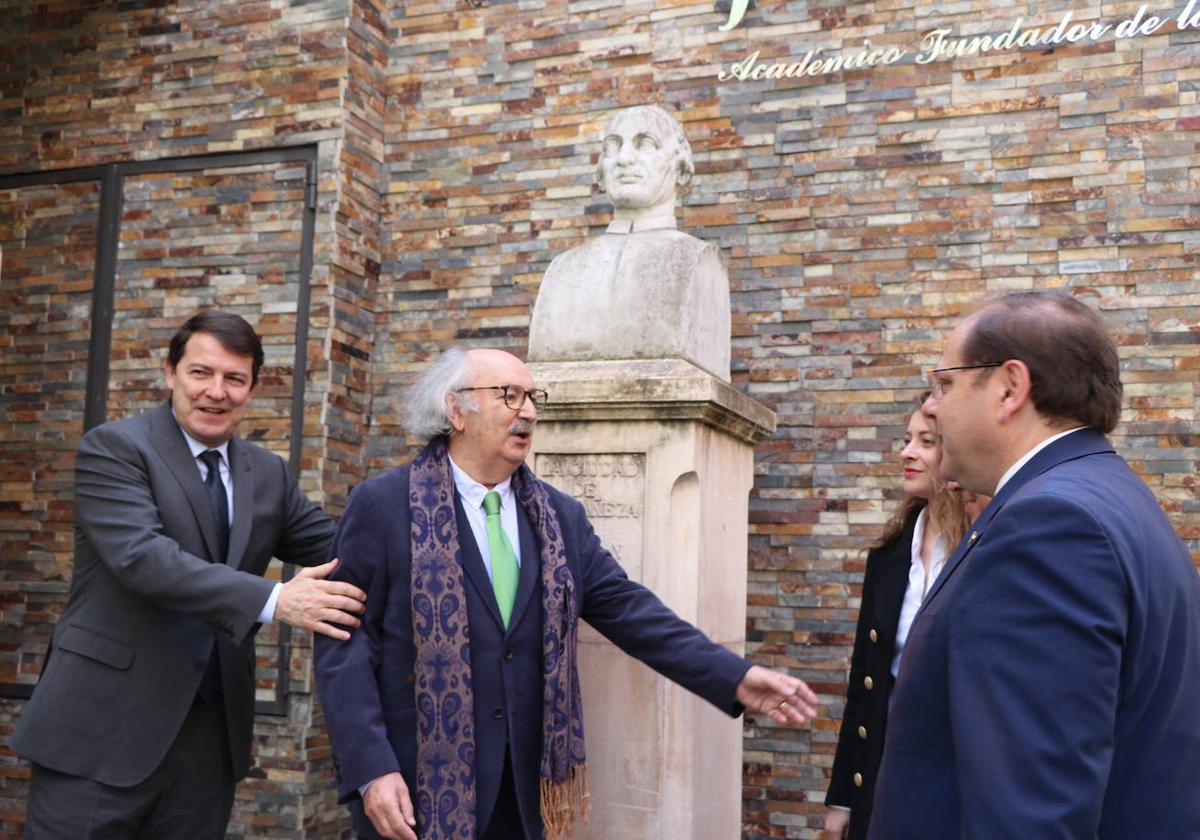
{"x": 366, "y": 684}
{"x": 1050, "y": 685}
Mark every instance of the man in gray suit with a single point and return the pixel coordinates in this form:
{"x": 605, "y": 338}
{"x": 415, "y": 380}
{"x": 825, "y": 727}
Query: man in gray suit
{"x": 140, "y": 725}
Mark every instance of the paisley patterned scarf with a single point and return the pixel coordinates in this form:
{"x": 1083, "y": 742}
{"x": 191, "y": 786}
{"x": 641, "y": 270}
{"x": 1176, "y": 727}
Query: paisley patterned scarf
{"x": 445, "y": 796}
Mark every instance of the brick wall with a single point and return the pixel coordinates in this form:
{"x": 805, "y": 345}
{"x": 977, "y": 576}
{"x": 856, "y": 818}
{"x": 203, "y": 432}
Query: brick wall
{"x": 858, "y": 213}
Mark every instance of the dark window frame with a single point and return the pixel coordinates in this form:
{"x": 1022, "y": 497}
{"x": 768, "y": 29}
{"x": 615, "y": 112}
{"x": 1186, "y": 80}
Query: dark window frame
{"x": 111, "y": 178}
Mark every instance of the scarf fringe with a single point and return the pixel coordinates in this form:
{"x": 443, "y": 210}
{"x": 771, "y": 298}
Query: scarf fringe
{"x": 565, "y": 802}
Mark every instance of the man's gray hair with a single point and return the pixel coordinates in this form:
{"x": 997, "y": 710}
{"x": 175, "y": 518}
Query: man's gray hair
{"x": 430, "y": 398}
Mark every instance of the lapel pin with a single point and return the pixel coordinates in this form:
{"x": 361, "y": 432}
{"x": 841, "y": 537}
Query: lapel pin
{"x": 974, "y": 536}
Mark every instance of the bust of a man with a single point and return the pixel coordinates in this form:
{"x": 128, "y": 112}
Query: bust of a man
{"x": 642, "y": 289}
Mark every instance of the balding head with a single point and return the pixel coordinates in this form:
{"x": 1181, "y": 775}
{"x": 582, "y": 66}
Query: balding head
{"x": 491, "y": 417}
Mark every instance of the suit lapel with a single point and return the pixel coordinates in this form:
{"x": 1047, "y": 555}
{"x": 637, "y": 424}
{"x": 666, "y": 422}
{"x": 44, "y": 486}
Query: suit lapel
{"x": 960, "y": 553}
{"x": 169, "y": 443}
{"x": 531, "y": 566}
{"x": 1075, "y": 445}
{"x": 243, "y": 501}
{"x": 472, "y": 562}
{"x": 891, "y": 581}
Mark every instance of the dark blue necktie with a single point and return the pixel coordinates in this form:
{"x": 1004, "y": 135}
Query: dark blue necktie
{"x": 210, "y": 682}
{"x": 218, "y": 499}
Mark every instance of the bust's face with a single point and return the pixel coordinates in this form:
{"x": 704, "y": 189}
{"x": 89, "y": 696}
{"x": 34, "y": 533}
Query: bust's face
{"x": 639, "y": 164}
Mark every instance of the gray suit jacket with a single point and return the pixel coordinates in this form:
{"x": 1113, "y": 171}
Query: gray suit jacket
{"x": 148, "y": 595}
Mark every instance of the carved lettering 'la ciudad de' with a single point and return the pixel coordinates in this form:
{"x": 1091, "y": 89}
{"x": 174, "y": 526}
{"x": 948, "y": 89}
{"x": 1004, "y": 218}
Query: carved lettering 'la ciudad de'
{"x": 943, "y": 45}
{"x": 602, "y": 466}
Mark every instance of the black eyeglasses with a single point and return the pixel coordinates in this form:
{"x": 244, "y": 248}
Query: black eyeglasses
{"x": 515, "y": 395}
{"x": 935, "y": 384}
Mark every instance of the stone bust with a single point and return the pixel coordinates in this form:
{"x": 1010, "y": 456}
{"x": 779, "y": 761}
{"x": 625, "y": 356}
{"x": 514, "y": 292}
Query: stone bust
{"x": 642, "y": 289}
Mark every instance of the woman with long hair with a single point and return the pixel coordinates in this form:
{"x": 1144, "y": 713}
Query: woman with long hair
{"x": 900, "y": 569}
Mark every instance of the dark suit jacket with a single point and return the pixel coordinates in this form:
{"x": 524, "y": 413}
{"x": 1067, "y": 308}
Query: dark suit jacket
{"x": 366, "y": 683}
{"x": 1049, "y": 684}
{"x": 148, "y": 595}
{"x": 860, "y": 744}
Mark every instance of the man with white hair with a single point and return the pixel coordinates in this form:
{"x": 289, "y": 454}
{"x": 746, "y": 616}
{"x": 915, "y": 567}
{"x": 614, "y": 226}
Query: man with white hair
{"x": 455, "y": 710}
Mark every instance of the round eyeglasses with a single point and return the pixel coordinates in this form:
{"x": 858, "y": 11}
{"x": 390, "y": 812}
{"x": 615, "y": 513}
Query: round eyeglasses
{"x": 514, "y": 395}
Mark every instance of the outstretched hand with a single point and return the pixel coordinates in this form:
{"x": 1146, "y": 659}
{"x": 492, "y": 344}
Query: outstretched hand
{"x": 783, "y": 698}
{"x": 313, "y": 603}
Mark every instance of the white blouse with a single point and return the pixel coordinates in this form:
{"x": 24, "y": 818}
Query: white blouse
{"x": 918, "y": 583}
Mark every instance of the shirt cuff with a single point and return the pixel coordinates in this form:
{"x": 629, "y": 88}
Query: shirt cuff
{"x": 267, "y": 616}
{"x": 362, "y": 790}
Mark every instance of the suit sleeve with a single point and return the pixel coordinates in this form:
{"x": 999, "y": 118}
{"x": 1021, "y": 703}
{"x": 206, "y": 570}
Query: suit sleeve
{"x": 1034, "y": 669}
{"x": 840, "y": 780}
{"x": 635, "y": 620}
{"x": 116, "y": 510}
{"x": 346, "y": 670}
{"x": 308, "y": 531}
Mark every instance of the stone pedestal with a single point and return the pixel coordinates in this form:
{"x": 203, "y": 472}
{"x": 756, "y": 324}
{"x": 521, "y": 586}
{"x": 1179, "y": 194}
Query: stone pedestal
{"x": 660, "y": 453}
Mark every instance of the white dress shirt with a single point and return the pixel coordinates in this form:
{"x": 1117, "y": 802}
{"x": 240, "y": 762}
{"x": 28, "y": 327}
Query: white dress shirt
{"x": 1024, "y": 459}
{"x": 267, "y": 614}
{"x": 918, "y": 583}
{"x": 472, "y": 492}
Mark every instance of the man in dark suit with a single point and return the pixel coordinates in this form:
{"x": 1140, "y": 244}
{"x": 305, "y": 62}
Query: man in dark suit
{"x": 1048, "y": 688}
{"x": 140, "y": 725}
{"x": 455, "y": 710}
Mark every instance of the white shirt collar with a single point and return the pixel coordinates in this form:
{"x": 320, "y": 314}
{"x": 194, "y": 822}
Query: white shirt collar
{"x": 472, "y": 492}
{"x": 197, "y": 447}
{"x": 1024, "y": 459}
{"x": 642, "y": 224}
{"x": 938, "y": 558}
{"x": 918, "y": 583}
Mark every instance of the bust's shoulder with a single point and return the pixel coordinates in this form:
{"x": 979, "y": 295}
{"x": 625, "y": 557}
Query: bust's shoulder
{"x": 672, "y": 248}
{"x": 675, "y": 250}
{"x": 604, "y": 248}
{"x": 603, "y": 242}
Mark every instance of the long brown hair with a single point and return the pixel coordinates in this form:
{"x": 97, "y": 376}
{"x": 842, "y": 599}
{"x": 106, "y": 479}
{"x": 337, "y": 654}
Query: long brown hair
{"x": 946, "y": 510}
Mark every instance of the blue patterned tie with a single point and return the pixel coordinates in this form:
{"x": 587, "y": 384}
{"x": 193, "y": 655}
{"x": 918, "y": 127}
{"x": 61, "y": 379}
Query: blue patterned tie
{"x": 217, "y": 498}
{"x": 504, "y": 559}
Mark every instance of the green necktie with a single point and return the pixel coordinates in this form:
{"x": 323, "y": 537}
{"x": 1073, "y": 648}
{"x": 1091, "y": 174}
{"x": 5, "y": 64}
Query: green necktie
{"x": 504, "y": 559}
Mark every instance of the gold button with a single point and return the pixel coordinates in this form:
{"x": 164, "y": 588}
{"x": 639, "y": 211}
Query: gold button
{"x": 862, "y": 732}
{"x": 874, "y": 636}
{"x": 869, "y": 683}
{"x": 858, "y": 779}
